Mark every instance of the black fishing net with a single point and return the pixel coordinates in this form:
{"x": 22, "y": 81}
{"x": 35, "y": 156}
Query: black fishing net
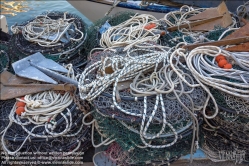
{"x": 125, "y": 128}
{"x": 4, "y": 56}
{"x": 24, "y": 138}
{"x": 226, "y": 137}
{"x": 67, "y": 50}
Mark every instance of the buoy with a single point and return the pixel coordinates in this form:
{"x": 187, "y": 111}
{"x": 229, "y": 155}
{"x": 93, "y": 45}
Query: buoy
{"x": 228, "y": 66}
{"x": 220, "y": 57}
{"x": 222, "y": 63}
{"x": 150, "y": 26}
{"x": 19, "y": 110}
{"x": 20, "y": 104}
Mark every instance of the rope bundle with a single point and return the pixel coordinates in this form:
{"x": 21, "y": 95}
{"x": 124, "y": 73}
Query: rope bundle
{"x": 130, "y": 32}
{"x": 124, "y": 68}
{"x": 50, "y": 119}
{"x": 43, "y": 27}
{"x": 233, "y": 82}
{"x": 57, "y": 35}
{"x": 156, "y": 93}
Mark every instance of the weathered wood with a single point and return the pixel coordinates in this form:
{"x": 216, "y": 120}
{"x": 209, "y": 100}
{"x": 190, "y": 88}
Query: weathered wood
{"x": 219, "y": 43}
{"x": 194, "y": 23}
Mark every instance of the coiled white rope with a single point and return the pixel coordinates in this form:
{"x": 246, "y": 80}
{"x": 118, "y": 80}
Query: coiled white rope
{"x": 206, "y": 70}
{"x": 41, "y": 109}
{"x": 177, "y": 18}
{"x": 43, "y": 27}
{"x": 130, "y": 32}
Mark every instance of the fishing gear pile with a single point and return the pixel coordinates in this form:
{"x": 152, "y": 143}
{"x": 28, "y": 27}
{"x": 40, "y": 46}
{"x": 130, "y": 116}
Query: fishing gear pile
{"x": 151, "y": 93}
{"x": 57, "y": 35}
{"x": 47, "y": 124}
{"x": 225, "y": 136}
{"x": 137, "y": 105}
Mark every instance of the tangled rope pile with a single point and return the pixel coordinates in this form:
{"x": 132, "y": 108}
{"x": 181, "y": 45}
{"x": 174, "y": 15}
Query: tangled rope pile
{"x": 232, "y": 83}
{"x": 157, "y": 92}
{"x": 41, "y": 29}
{"x": 152, "y": 101}
{"x": 150, "y": 96}
{"x": 59, "y": 36}
{"x": 130, "y": 32}
{"x": 50, "y": 123}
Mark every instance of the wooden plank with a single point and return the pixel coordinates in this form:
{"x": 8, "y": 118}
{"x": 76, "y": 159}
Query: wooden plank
{"x": 192, "y": 24}
{"x": 219, "y": 43}
{"x": 212, "y": 12}
{"x": 224, "y": 22}
{"x": 243, "y": 31}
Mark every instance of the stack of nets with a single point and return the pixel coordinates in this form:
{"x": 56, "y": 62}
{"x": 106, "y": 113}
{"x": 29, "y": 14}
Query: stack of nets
{"x": 225, "y": 136}
{"x": 57, "y": 35}
{"x": 94, "y": 35}
{"x": 45, "y": 125}
{"x": 48, "y": 130}
{"x": 142, "y": 105}
{"x": 150, "y": 95}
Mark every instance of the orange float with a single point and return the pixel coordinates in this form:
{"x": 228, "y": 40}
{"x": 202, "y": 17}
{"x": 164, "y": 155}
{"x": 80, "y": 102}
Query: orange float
{"x": 20, "y": 104}
{"x": 222, "y": 63}
{"x": 19, "y": 110}
{"x": 228, "y": 66}
{"x": 220, "y": 57}
{"x": 150, "y": 26}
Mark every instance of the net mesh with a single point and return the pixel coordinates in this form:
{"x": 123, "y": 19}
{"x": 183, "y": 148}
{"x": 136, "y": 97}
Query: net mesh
{"x": 20, "y": 47}
{"x": 226, "y": 137}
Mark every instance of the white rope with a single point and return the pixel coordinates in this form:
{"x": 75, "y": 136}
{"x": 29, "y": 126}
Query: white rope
{"x": 42, "y": 109}
{"x": 206, "y": 70}
{"x": 124, "y": 68}
{"x": 43, "y": 27}
{"x": 130, "y": 32}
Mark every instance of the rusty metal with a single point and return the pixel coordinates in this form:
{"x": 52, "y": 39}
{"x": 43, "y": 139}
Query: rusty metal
{"x": 7, "y": 77}
{"x": 11, "y": 91}
{"x": 208, "y": 13}
{"x": 224, "y": 22}
{"x": 241, "y": 32}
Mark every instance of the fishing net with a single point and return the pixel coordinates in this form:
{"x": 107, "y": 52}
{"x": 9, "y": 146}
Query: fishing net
{"x": 228, "y": 87}
{"x": 131, "y": 110}
{"x": 4, "y": 56}
{"x": 63, "y": 49}
{"x": 128, "y": 150}
{"x": 93, "y": 31}
{"x": 226, "y": 137}
{"x": 4, "y": 61}
{"x": 5, "y": 107}
{"x": 60, "y": 136}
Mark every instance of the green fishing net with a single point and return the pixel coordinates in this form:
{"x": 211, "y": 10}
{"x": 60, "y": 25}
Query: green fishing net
{"x": 130, "y": 150}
